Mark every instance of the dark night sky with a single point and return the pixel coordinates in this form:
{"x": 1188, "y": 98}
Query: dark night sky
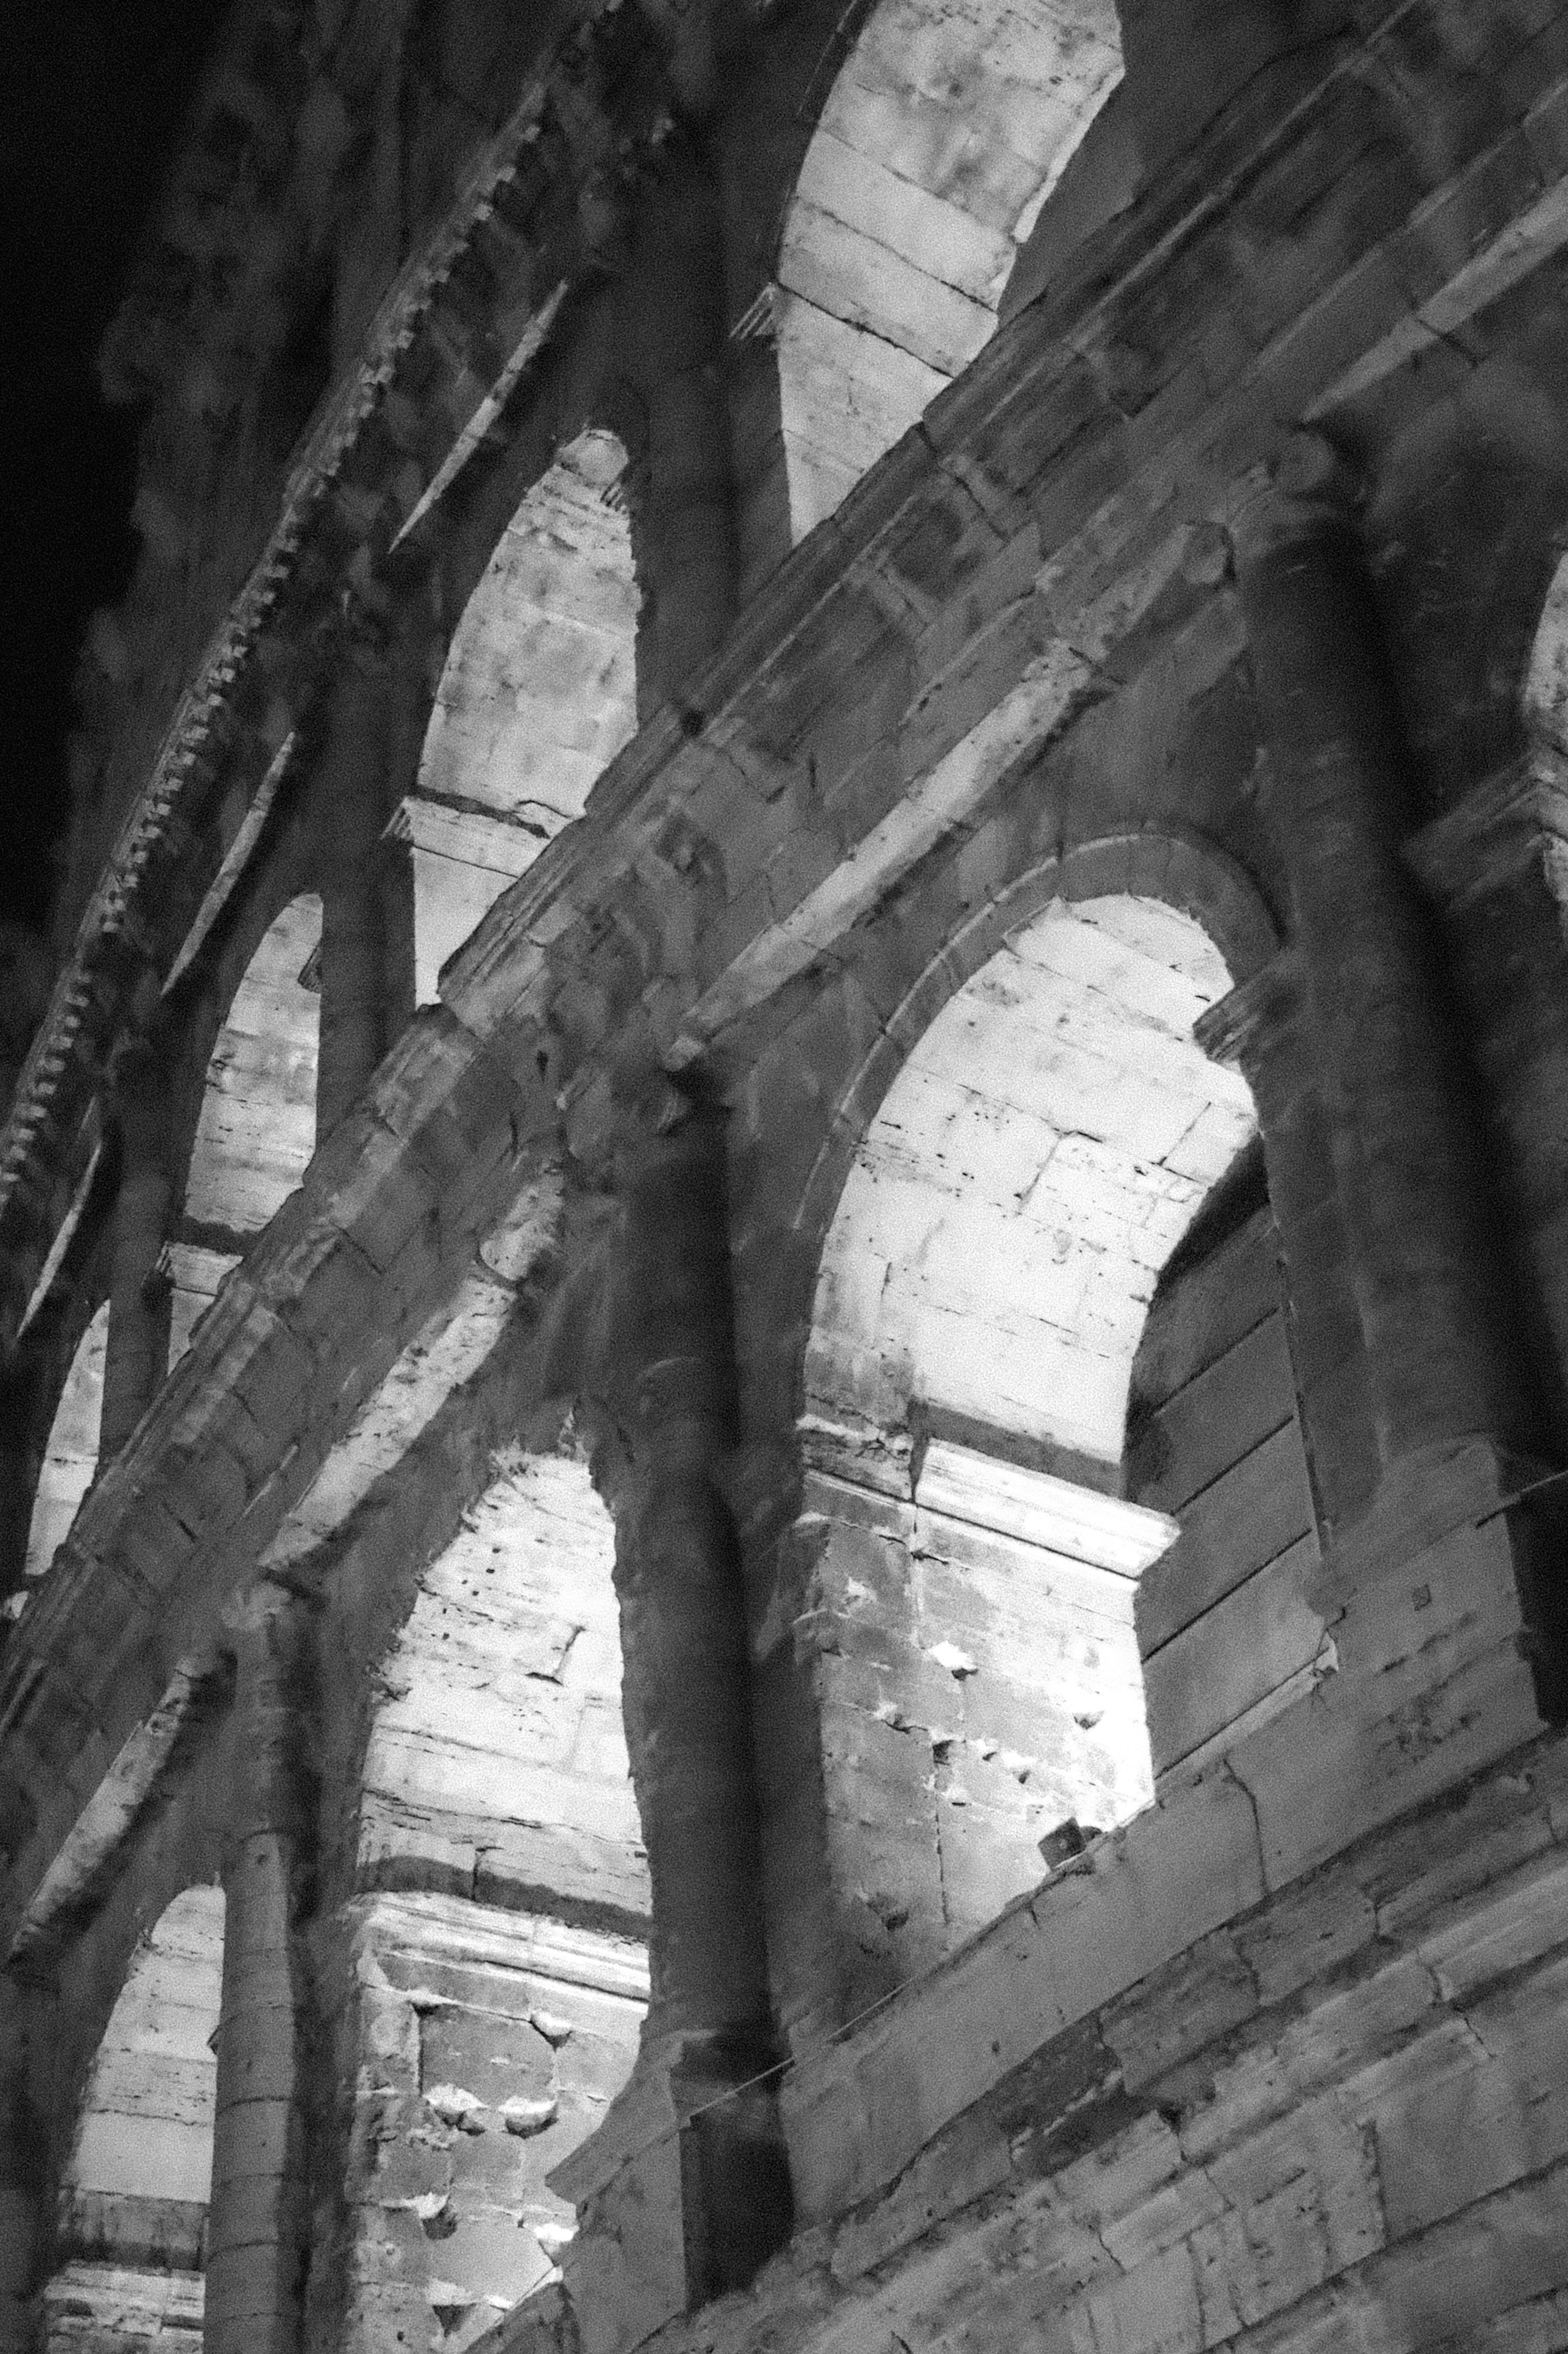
{"x": 93, "y": 96}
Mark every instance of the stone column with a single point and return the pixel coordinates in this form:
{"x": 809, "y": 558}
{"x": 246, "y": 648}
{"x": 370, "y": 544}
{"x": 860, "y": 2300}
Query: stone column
{"x": 136, "y": 1356}
{"x": 259, "y": 2217}
{"x": 350, "y": 802}
{"x": 686, "y": 532}
{"x": 683, "y": 1620}
{"x": 26, "y": 2045}
{"x": 1425, "y": 1261}
{"x": 683, "y": 2192}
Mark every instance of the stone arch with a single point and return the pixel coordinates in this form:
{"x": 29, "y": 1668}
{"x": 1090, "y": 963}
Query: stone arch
{"x": 70, "y": 1453}
{"x": 943, "y": 134}
{"x": 537, "y": 695}
{"x": 131, "y": 2237}
{"x": 1181, "y": 870}
{"x": 255, "y": 1128}
{"x": 504, "y": 1896}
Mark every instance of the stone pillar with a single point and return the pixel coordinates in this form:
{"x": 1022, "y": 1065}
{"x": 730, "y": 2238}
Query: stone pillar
{"x": 25, "y": 2046}
{"x": 687, "y": 535}
{"x": 683, "y": 1619}
{"x": 1427, "y": 1264}
{"x": 259, "y": 2218}
{"x": 136, "y": 1357}
{"x": 683, "y": 2191}
{"x": 350, "y": 802}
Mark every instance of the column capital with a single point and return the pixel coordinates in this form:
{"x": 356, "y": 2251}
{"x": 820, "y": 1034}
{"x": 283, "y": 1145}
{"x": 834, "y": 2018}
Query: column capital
{"x": 1312, "y": 488}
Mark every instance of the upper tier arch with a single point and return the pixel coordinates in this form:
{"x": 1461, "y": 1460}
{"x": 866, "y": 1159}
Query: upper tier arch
{"x": 1030, "y": 1170}
{"x": 255, "y": 1129}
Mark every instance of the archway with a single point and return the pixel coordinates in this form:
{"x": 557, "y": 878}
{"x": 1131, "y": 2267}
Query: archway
{"x": 255, "y": 1129}
{"x": 506, "y": 1899}
{"x": 537, "y": 696}
{"x": 70, "y": 1456}
{"x": 945, "y": 131}
{"x": 135, "y": 2188}
{"x": 979, "y": 1302}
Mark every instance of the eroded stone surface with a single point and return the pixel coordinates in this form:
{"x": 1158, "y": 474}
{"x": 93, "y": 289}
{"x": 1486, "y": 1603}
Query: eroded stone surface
{"x": 1272, "y": 2060}
{"x": 1026, "y": 1176}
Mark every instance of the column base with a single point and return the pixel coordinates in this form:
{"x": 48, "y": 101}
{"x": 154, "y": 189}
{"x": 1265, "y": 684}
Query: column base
{"x": 682, "y": 2194}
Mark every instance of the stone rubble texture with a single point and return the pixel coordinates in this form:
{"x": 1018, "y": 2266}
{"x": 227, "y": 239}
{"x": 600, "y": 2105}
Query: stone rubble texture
{"x": 784, "y": 1271}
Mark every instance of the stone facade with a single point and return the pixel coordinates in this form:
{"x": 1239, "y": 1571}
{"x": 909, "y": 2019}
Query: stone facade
{"x": 784, "y": 1274}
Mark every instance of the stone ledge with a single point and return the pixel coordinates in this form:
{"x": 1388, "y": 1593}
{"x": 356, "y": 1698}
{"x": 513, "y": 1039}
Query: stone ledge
{"x": 1332, "y": 2018}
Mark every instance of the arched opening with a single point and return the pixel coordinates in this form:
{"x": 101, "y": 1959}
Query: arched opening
{"x": 70, "y": 1457}
{"x": 979, "y": 1307}
{"x": 134, "y": 2192}
{"x": 537, "y": 696}
{"x": 507, "y": 1898}
{"x": 256, "y": 1131}
{"x": 944, "y": 134}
